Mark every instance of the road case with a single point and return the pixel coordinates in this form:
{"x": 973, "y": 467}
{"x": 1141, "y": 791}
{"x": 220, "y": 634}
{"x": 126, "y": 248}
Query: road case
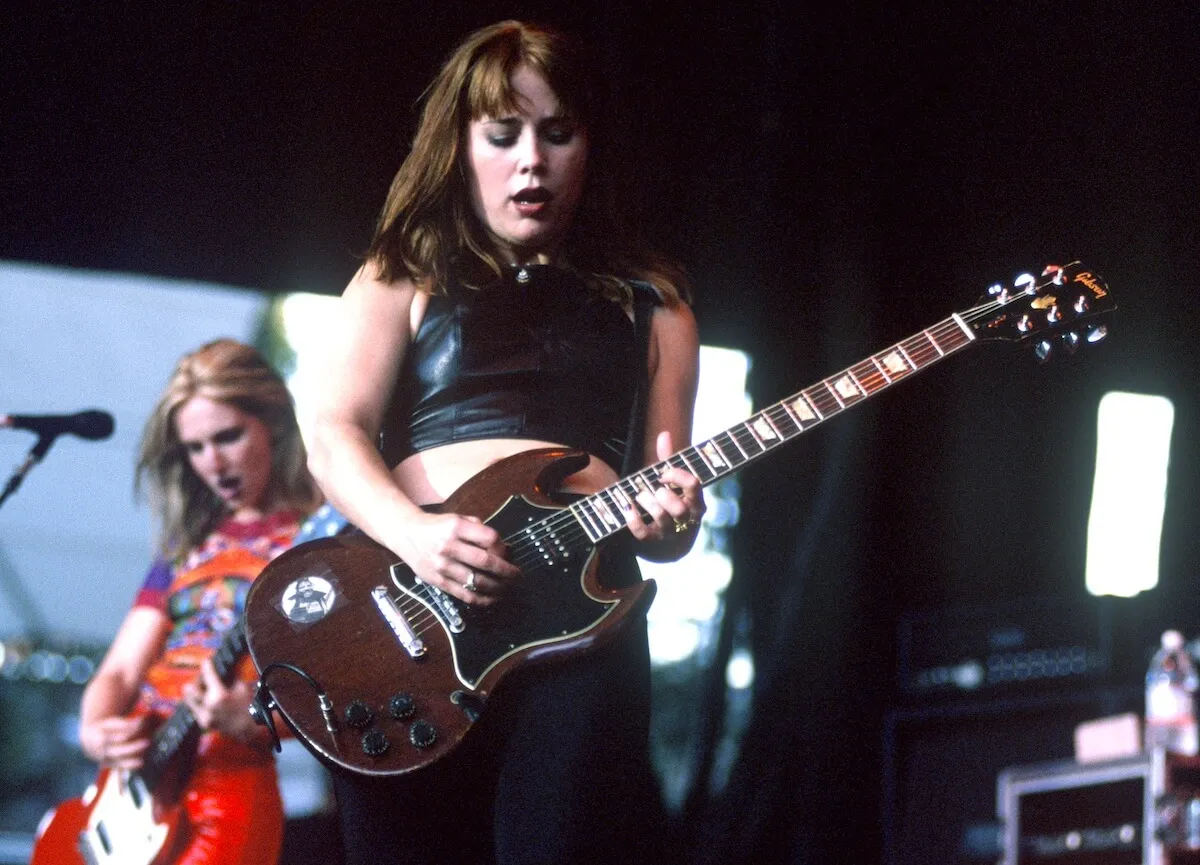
{"x": 1140, "y": 810}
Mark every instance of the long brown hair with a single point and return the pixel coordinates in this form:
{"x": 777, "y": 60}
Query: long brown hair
{"x": 236, "y": 374}
{"x": 428, "y": 230}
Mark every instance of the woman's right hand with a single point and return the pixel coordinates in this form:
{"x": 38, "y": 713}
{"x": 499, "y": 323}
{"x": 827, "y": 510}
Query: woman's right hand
{"x": 460, "y": 555}
{"x": 117, "y": 742}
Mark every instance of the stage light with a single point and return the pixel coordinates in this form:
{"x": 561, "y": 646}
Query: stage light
{"x": 739, "y": 672}
{"x": 686, "y": 613}
{"x": 1129, "y": 493}
{"x": 306, "y": 320}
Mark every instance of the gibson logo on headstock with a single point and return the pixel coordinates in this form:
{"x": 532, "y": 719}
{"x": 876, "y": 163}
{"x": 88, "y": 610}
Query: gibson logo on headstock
{"x": 1092, "y": 283}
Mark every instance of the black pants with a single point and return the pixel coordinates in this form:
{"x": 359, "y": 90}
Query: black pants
{"x": 555, "y": 771}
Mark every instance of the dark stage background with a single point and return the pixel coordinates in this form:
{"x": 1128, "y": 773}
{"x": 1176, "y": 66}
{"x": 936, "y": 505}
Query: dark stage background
{"x": 834, "y": 178}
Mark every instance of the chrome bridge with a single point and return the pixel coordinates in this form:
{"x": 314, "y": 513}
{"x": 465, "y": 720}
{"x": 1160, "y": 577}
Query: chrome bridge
{"x": 400, "y": 626}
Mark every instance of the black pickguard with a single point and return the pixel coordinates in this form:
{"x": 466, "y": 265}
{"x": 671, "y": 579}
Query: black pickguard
{"x": 547, "y": 604}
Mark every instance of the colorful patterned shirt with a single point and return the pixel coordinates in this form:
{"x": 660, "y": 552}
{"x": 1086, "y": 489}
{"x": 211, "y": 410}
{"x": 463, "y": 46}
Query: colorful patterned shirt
{"x": 204, "y": 595}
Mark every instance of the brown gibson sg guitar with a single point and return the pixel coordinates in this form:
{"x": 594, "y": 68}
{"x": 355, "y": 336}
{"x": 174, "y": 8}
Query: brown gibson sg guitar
{"x": 135, "y": 818}
{"x": 380, "y": 673}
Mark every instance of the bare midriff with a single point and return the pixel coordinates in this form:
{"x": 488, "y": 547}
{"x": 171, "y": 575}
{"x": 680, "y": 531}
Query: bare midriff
{"x": 430, "y": 476}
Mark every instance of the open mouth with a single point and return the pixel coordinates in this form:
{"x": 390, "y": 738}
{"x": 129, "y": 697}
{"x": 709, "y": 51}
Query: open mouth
{"x": 229, "y": 487}
{"x": 533, "y": 195}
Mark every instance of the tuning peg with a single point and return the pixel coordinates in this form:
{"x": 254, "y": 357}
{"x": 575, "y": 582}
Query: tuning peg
{"x": 1042, "y": 350}
{"x": 1070, "y": 341}
{"x": 1053, "y": 315}
{"x": 1056, "y": 270}
{"x": 1095, "y": 333}
{"x": 1081, "y": 304}
{"x": 1024, "y": 283}
{"x": 997, "y": 291}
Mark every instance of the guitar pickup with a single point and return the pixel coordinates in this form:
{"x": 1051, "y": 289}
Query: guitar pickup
{"x": 446, "y": 606}
{"x": 404, "y": 632}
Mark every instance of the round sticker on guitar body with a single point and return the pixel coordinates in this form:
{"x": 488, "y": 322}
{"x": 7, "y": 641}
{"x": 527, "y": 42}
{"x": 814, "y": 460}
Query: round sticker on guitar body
{"x": 308, "y": 600}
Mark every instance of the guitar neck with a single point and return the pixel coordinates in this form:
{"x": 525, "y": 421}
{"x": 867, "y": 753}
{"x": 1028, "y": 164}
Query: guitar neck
{"x": 181, "y": 731}
{"x": 730, "y": 450}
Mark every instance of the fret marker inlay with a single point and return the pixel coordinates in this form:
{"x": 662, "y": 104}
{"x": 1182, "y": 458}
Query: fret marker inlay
{"x": 623, "y": 501}
{"x": 800, "y": 407}
{"x": 894, "y": 362}
{"x": 714, "y": 457}
{"x": 763, "y": 430}
{"x": 846, "y": 387}
{"x": 606, "y": 513}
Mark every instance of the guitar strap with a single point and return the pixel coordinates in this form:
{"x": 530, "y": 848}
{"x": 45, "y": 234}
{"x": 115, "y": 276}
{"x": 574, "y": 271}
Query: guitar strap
{"x": 645, "y": 298}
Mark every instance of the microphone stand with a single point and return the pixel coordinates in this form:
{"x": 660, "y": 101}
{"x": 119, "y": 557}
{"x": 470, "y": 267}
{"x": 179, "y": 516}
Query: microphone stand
{"x": 9, "y": 582}
{"x": 34, "y": 457}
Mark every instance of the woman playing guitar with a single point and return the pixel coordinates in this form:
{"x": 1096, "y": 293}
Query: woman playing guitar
{"x": 496, "y": 314}
{"x": 225, "y": 467}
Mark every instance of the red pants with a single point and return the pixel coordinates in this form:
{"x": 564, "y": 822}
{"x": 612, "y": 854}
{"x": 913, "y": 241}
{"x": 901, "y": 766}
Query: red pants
{"x": 234, "y": 810}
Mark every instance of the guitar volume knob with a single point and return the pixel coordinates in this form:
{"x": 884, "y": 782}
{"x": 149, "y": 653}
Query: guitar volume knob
{"x": 359, "y": 715}
{"x": 375, "y": 744}
{"x": 422, "y": 734}
{"x": 402, "y": 706}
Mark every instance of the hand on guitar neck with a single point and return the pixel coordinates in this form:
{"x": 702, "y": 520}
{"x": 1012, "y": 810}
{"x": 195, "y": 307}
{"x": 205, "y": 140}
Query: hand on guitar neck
{"x": 224, "y": 709}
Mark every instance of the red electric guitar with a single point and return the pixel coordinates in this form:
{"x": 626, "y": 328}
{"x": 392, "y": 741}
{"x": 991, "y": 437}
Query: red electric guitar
{"x": 135, "y": 818}
{"x": 380, "y": 673}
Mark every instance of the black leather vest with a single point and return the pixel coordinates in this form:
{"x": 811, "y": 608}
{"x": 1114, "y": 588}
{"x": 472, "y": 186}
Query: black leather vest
{"x": 537, "y": 355}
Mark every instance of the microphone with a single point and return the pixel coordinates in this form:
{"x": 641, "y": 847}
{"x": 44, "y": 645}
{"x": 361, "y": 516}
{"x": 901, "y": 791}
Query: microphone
{"x": 91, "y": 424}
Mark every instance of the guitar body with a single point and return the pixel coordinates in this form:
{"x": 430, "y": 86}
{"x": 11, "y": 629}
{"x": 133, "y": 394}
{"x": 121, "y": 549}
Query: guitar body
{"x": 116, "y": 822}
{"x": 406, "y": 668}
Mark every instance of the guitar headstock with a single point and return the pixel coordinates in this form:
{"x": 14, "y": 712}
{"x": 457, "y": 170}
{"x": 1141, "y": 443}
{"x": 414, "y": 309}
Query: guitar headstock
{"x": 1059, "y": 307}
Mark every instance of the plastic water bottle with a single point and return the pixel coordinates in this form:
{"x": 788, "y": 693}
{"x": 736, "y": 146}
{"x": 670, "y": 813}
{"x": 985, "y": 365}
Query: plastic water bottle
{"x": 1171, "y": 685}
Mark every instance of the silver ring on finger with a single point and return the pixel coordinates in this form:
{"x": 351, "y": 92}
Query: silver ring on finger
{"x": 470, "y": 584}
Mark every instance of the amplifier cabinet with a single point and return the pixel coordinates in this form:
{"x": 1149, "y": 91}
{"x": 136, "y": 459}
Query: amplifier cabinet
{"x": 1140, "y": 810}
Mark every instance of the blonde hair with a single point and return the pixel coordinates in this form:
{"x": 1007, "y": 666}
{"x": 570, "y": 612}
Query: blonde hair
{"x": 428, "y": 231}
{"x": 236, "y": 374}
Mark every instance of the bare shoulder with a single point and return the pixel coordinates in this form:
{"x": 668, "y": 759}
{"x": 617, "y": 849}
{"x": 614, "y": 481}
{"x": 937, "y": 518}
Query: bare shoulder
{"x": 374, "y": 314}
{"x": 367, "y": 286}
{"x": 675, "y": 339}
{"x": 365, "y": 347}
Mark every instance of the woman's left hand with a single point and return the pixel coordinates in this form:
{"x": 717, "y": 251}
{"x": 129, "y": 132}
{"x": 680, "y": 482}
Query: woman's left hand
{"x": 674, "y": 508}
{"x": 225, "y": 709}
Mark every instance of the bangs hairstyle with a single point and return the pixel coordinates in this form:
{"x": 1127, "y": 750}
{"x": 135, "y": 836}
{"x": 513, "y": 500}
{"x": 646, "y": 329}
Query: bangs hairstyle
{"x": 233, "y": 373}
{"x": 488, "y": 90}
{"x": 428, "y": 231}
